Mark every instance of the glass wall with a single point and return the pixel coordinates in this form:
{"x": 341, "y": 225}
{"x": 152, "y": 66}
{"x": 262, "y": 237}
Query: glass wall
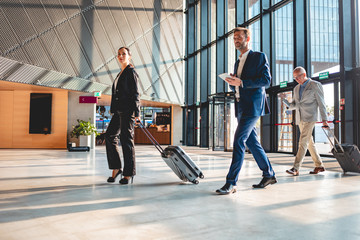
{"x": 198, "y": 45}
{"x": 276, "y": 1}
{"x": 324, "y": 27}
{"x": 103, "y": 117}
{"x": 231, "y": 54}
{"x": 254, "y": 8}
{"x": 231, "y": 123}
{"x": 231, "y": 15}
{"x": 274, "y": 31}
{"x": 255, "y": 36}
{"x": 321, "y": 142}
{"x": 198, "y": 120}
{"x": 213, "y": 20}
{"x": 218, "y": 121}
{"x": 283, "y": 126}
{"x": 213, "y": 76}
{"x": 198, "y": 25}
{"x": 198, "y": 80}
{"x": 284, "y": 44}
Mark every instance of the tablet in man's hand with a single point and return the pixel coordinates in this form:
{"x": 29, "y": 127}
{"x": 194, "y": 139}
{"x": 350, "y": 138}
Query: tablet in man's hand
{"x": 223, "y": 76}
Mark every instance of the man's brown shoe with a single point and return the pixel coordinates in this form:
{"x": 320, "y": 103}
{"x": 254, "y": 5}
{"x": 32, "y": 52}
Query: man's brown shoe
{"x": 293, "y": 172}
{"x": 317, "y": 170}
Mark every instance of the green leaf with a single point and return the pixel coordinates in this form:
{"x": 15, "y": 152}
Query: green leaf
{"x": 83, "y": 128}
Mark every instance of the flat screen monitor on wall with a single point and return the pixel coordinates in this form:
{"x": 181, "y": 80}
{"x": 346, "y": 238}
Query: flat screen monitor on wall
{"x": 40, "y": 113}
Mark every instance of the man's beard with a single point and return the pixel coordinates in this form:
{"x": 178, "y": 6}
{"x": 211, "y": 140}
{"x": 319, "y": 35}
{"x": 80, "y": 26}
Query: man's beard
{"x": 242, "y": 46}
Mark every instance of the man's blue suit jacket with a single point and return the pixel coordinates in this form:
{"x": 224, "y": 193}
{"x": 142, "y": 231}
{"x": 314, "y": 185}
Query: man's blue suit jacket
{"x": 255, "y": 77}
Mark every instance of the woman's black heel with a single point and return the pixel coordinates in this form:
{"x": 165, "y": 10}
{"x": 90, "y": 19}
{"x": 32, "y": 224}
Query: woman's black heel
{"x": 126, "y": 180}
{"x": 112, "y": 179}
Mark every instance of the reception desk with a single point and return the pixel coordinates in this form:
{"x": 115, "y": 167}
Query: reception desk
{"x": 162, "y": 137}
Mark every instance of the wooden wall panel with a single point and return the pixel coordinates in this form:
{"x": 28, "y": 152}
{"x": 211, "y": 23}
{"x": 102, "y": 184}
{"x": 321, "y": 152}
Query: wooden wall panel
{"x": 21, "y": 137}
{"x": 6, "y": 118}
{"x": 20, "y": 121}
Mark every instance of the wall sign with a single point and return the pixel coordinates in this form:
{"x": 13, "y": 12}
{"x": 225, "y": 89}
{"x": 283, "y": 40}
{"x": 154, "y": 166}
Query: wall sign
{"x": 88, "y": 99}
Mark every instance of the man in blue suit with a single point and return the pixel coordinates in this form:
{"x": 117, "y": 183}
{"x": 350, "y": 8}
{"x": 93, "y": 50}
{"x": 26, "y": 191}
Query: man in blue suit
{"x": 251, "y": 76}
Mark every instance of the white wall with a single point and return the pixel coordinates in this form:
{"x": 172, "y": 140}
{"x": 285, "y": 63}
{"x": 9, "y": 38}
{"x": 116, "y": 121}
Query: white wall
{"x": 177, "y": 125}
{"x": 81, "y": 111}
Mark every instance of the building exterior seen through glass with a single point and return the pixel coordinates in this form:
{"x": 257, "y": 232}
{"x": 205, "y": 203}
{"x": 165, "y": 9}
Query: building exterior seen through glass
{"x": 255, "y": 36}
{"x": 284, "y": 44}
{"x": 254, "y": 8}
{"x": 324, "y": 27}
{"x": 273, "y": 31}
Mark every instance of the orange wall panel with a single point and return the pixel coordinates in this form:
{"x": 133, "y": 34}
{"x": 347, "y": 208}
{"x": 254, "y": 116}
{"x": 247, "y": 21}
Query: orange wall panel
{"x": 20, "y": 121}
{"x": 6, "y": 116}
{"x": 21, "y": 138}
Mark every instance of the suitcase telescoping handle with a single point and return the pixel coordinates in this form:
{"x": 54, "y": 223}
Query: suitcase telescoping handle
{"x": 151, "y": 137}
{"x": 329, "y": 132}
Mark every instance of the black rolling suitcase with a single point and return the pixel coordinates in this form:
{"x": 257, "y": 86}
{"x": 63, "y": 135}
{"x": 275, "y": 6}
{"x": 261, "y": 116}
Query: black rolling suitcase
{"x": 347, "y": 155}
{"x": 175, "y": 157}
{"x": 78, "y": 149}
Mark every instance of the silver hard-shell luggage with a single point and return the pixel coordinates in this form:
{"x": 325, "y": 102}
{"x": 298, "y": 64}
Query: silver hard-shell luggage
{"x": 176, "y": 158}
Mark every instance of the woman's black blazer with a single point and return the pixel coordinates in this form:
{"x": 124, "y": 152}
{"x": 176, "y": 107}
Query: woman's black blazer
{"x": 125, "y": 95}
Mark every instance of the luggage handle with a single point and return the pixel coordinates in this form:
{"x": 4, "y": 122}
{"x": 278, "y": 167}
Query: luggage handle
{"x": 151, "y": 138}
{"x": 336, "y": 141}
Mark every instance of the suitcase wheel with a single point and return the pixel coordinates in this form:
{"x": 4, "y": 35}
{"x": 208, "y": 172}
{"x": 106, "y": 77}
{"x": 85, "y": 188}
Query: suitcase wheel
{"x": 201, "y": 175}
{"x": 195, "y": 181}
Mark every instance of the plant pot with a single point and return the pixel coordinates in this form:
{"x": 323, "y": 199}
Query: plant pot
{"x": 85, "y": 141}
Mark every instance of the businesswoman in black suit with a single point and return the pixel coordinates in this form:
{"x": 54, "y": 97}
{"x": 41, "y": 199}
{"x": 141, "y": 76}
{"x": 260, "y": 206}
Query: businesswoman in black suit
{"x": 125, "y": 107}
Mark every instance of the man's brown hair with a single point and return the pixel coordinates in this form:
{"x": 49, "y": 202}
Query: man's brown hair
{"x": 242, "y": 29}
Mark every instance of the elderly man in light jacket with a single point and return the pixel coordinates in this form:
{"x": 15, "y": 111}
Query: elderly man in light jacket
{"x": 308, "y": 98}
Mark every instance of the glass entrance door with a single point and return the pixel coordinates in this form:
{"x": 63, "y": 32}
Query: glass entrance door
{"x": 285, "y": 118}
{"x": 284, "y": 125}
{"x": 218, "y": 124}
{"x": 223, "y": 123}
{"x": 231, "y": 123}
{"x": 321, "y": 142}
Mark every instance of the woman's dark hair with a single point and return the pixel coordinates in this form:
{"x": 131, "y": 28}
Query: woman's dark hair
{"x": 129, "y": 52}
{"x": 127, "y": 49}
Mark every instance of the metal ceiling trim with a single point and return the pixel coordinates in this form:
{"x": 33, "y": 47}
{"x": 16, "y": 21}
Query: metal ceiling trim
{"x": 7, "y": 67}
{"x": 14, "y": 71}
{"x": 26, "y": 74}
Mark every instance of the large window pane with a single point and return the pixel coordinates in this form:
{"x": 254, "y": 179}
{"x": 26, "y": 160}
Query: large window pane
{"x": 231, "y": 123}
{"x": 219, "y": 114}
{"x": 231, "y": 15}
{"x": 321, "y": 142}
{"x": 284, "y": 127}
{"x": 213, "y": 20}
{"x": 276, "y": 1}
{"x": 254, "y": 8}
{"x": 197, "y": 126}
{"x": 284, "y": 44}
{"x": 198, "y": 46}
{"x": 213, "y": 69}
{"x": 255, "y": 36}
{"x": 198, "y": 80}
{"x": 198, "y": 26}
{"x": 324, "y": 24}
{"x": 231, "y": 54}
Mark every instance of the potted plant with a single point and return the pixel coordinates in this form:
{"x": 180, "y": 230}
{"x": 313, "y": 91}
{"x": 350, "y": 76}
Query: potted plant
{"x": 83, "y": 130}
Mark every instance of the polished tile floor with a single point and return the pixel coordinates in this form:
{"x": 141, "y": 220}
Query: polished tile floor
{"x": 55, "y": 194}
